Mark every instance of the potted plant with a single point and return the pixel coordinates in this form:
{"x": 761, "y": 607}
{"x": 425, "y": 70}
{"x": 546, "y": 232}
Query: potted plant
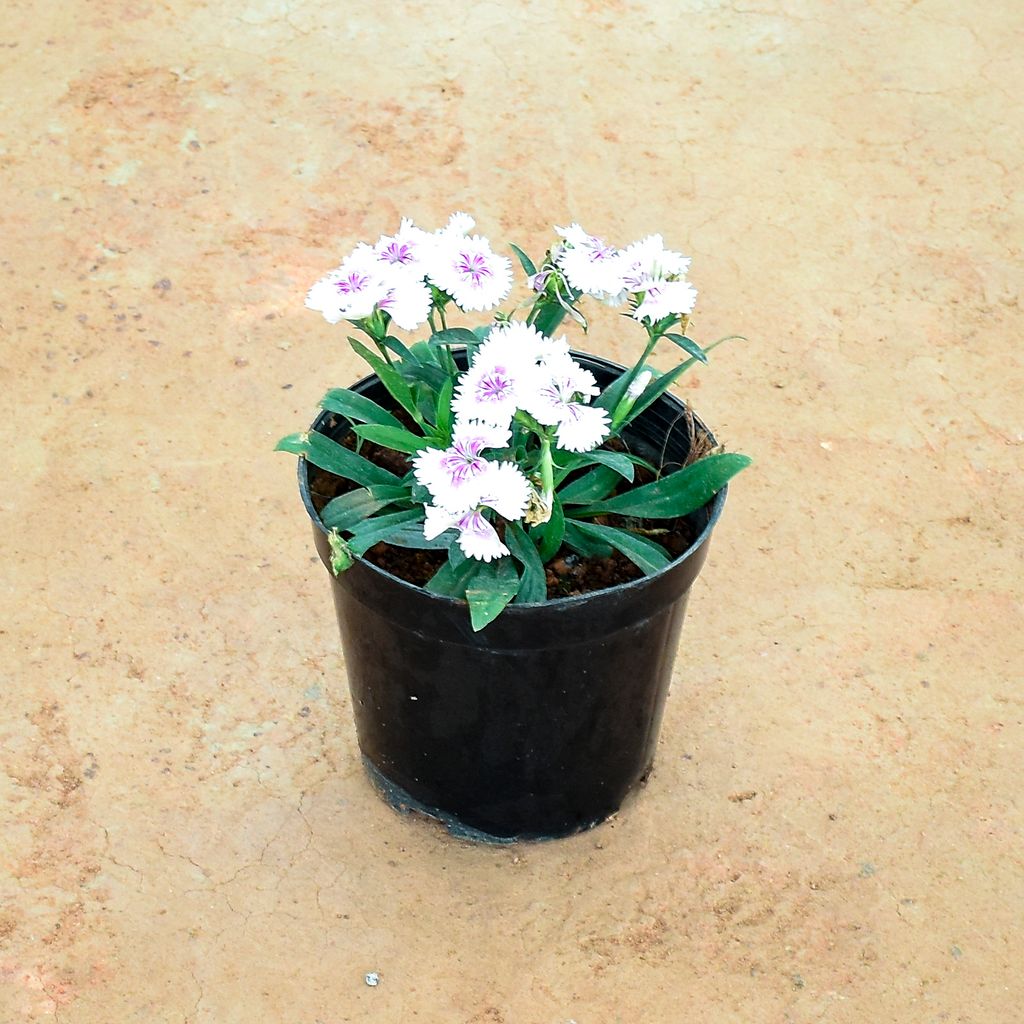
{"x": 512, "y": 528}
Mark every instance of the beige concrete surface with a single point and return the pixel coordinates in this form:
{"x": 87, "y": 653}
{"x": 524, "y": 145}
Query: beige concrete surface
{"x": 833, "y": 829}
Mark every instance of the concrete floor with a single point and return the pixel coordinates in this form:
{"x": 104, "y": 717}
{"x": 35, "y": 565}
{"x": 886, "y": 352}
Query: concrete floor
{"x": 188, "y": 835}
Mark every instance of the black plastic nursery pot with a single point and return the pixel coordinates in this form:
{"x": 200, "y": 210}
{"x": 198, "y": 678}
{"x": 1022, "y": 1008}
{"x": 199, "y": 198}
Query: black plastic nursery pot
{"x": 539, "y": 725}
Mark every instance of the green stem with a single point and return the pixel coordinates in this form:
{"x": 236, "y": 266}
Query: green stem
{"x": 626, "y": 403}
{"x": 547, "y": 470}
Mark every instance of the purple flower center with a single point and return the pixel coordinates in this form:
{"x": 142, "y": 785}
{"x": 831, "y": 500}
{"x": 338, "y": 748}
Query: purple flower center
{"x": 474, "y": 522}
{"x": 598, "y": 250}
{"x": 354, "y": 282}
{"x": 398, "y": 252}
{"x": 473, "y": 266}
{"x": 494, "y": 386}
{"x": 463, "y": 460}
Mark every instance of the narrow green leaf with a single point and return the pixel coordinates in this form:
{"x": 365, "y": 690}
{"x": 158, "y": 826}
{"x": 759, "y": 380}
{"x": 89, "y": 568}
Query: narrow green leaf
{"x": 348, "y": 510}
{"x": 613, "y": 394}
{"x": 443, "y": 411}
{"x": 356, "y": 407}
{"x": 454, "y": 576}
{"x": 549, "y": 316}
{"x": 341, "y": 555}
{"x": 583, "y": 544}
{"x": 390, "y": 378}
{"x": 621, "y": 462}
{"x": 336, "y": 459}
{"x": 379, "y": 528}
{"x": 687, "y": 345}
{"x": 400, "y": 349}
{"x": 662, "y": 383}
{"x": 490, "y": 591}
{"x": 524, "y": 260}
{"x": 646, "y": 554}
{"x": 533, "y": 586}
{"x": 412, "y": 537}
{"x": 551, "y": 533}
{"x": 397, "y": 438}
{"x": 591, "y": 487}
{"x": 453, "y": 336}
{"x": 677, "y": 494}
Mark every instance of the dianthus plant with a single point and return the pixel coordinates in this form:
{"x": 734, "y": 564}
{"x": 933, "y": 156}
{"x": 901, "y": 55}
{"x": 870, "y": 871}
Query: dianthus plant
{"x": 505, "y": 432}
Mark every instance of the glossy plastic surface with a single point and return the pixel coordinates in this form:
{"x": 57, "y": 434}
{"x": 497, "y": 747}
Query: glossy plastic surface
{"x": 539, "y": 725}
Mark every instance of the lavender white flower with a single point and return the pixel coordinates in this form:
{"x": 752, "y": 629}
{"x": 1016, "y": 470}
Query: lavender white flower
{"x": 351, "y": 291}
{"x": 648, "y": 260}
{"x": 451, "y": 474}
{"x": 501, "y": 486}
{"x": 470, "y": 271}
{"x": 407, "y": 250}
{"x": 589, "y": 264}
{"x": 663, "y": 298}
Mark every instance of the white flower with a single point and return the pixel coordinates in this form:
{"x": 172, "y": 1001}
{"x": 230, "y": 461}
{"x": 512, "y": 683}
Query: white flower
{"x": 451, "y": 474}
{"x": 458, "y": 224}
{"x": 497, "y": 383}
{"x": 353, "y": 290}
{"x": 663, "y": 298}
{"x": 589, "y": 264}
{"x": 470, "y": 271}
{"x": 560, "y": 380}
{"x": 517, "y": 342}
{"x": 407, "y": 300}
{"x": 478, "y": 538}
{"x": 640, "y": 382}
{"x": 648, "y": 260}
{"x": 502, "y": 487}
{"x": 582, "y": 427}
{"x": 407, "y": 250}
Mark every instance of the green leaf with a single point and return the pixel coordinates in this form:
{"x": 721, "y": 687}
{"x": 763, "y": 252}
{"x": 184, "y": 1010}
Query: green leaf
{"x": 348, "y": 510}
{"x": 373, "y": 531}
{"x": 590, "y": 487}
{"x": 400, "y": 349}
{"x": 341, "y": 555}
{"x": 677, "y": 494}
{"x": 412, "y": 537}
{"x": 390, "y": 378}
{"x": 335, "y": 458}
{"x": 525, "y": 261}
{"x": 533, "y": 586}
{"x": 549, "y": 316}
{"x": 621, "y": 462}
{"x": 453, "y": 336}
{"x": 455, "y": 575}
{"x": 688, "y": 345}
{"x": 443, "y": 411}
{"x": 583, "y": 544}
{"x": 551, "y": 533}
{"x": 650, "y": 557}
{"x": 397, "y": 438}
{"x": 613, "y": 394}
{"x": 356, "y": 407}
{"x": 662, "y": 383}
{"x": 491, "y": 589}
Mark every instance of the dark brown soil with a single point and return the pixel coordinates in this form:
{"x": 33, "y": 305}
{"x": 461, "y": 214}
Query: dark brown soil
{"x": 568, "y": 574}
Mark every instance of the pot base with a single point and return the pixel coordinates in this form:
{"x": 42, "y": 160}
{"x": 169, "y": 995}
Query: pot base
{"x": 402, "y": 801}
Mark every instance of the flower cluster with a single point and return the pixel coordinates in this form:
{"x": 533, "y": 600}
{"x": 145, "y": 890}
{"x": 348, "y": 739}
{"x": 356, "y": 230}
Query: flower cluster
{"x": 645, "y": 272}
{"x": 396, "y": 276}
{"x": 517, "y": 376}
{"x": 505, "y": 430}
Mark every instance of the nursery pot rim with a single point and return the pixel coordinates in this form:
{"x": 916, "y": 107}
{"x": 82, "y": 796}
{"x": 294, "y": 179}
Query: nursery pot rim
{"x": 717, "y": 503}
